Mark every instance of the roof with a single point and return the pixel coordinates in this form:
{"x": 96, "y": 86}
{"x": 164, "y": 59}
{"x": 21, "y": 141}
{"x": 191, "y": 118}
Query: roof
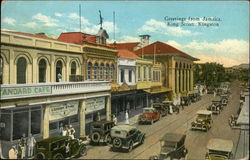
{"x": 124, "y": 53}
{"x": 204, "y": 112}
{"x": 172, "y": 137}
{"x": 123, "y": 127}
{"x": 54, "y": 138}
{"x": 244, "y": 113}
{"x": 77, "y": 37}
{"x": 102, "y": 33}
{"x": 129, "y": 46}
{"x": 161, "y": 48}
{"x": 220, "y": 145}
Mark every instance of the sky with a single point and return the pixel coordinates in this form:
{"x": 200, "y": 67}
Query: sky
{"x": 213, "y": 31}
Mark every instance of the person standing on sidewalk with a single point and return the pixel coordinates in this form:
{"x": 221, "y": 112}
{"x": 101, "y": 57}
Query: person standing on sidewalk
{"x": 31, "y": 144}
{"x": 13, "y": 152}
{"x": 126, "y": 117}
{"x": 23, "y": 143}
{"x": 114, "y": 119}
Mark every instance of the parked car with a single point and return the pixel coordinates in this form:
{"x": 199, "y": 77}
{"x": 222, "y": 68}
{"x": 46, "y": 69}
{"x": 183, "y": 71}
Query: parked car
{"x": 101, "y": 131}
{"x": 126, "y": 136}
{"x": 203, "y": 120}
{"x": 185, "y": 100}
{"x": 172, "y": 147}
{"x": 216, "y": 105}
{"x": 233, "y": 121}
{"x": 219, "y": 149}
{"x": 170, "y": 103}
{"x": 224, "y": 99}
{"x": 210, "y": 90}
{"x": 149, "y": 115}
{"x": 194, "y": 97}
{"x": 161, "y": 107}
{"x": 60, "y": 147}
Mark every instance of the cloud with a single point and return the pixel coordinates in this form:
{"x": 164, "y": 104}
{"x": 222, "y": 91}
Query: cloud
{"x": 48, "y": 21}
{"x": 228, "y": 51}
{"x": 58, "y": 14}
{"x": 75, "y": 16}
{"x": 9, "y": 21}
{"x": 153, "y": 25}
{"x": 129, "y": 39}
{"x": 30, "y": 24}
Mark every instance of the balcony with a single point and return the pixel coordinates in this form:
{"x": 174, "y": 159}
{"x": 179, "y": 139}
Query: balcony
{"x": 12, "y": 91}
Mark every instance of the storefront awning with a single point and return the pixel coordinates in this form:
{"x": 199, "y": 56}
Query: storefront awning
{"x": 161, "y": 90}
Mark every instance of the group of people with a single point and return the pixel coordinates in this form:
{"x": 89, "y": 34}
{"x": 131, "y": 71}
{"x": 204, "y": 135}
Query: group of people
{"x": 24, "y": 148}
{"x": 67, "y": 131}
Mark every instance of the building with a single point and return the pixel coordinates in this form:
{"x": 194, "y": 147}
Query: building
{"x": 47, "y": 82}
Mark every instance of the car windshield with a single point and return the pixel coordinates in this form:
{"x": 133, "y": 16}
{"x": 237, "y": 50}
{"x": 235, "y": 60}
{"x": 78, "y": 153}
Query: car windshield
{"x": 168, "y": 144}
{"x": 202, "y": 116}
{"x": 97, "y": 126}
{"x": 221, "y": 153}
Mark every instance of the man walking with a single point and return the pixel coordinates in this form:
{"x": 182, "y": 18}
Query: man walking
{"x": 31, "y": 143}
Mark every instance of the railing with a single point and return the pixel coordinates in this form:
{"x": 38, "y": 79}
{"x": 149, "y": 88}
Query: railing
{"x": 11, "y": 91}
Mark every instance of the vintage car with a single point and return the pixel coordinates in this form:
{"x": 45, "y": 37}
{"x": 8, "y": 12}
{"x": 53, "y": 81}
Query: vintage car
{"x": 172, "y": 147}
{"x": 233, "y": 121}
{"x": 101, "y": 131}
{"x": 203, "y": 120}
{"x": 216, "y": 105}
{"x": 185, "y": 100}
{"x": 224, "y": 99}
{"x": 60, "y": 147}
{"x": 161, "y": 107}
{"x": 210, "y": 90}
{"x": 126, "y": 136}
{"x": 219, "y": 149}
{"x": 170, "y": 103}
{"x": 194, "y": 97}
{"x": 149, "y": 115}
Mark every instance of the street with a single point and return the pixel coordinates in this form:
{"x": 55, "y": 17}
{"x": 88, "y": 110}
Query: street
{"x": 196, "y": 141}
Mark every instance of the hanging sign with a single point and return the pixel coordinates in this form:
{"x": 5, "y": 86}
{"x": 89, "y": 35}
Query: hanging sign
{"x": 95, "y": 104}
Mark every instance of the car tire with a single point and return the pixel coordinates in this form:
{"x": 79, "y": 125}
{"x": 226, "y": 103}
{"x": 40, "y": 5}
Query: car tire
{"x": 130, "y": 147}
{"x": 40, "y": 155}
{"x": 95, "y": 137}
{"x": 108, "y": 139}
{"x": 82, "y": 151}
{"x": 58, "y": 156}
{"x": 117, "y": 142}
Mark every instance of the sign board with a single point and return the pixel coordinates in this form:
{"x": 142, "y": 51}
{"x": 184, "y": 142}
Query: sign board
{"x": 62, "y": 110}
{"x": 95, "y": 104}
{"x": 24, "y": 91}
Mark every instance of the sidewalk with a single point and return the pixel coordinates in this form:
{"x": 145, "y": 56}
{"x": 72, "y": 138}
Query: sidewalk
{"x": 133, "y": 114}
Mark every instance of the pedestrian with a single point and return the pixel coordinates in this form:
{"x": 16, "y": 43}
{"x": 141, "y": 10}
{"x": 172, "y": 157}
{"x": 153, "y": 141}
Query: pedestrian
{"x": 98, "y": 117}
{"x": 126, "y": 118}
{"x": 128, "y": 107}
{"x": 71, "y": 131}
{"x": 23, "y": 143}
{"x": 114, "y": 119}
{"x": 64, "y": 131}
{"x": 61, "y": 129}
{"x": 170, "y": 109}
{"x": 13, "y": 152}
{"x": 31, "y": 144}
{"x": 59, "y": 76}
{"x": 214, "y": 92}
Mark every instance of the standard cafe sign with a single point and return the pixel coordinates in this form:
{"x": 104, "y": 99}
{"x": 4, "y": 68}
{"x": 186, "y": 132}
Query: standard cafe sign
{"x": 62, "y": 110}
{"x": 10, "y": 92}
{"x": 95, "y": 104}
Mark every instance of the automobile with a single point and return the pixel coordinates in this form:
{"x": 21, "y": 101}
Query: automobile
{"x": 233, "y": 121}
{"x": 219, "y": 149}
{"x": 194, "y": 97}
{"x": 60, "y": 147}
{"x": 203, "y": 120}
{"x": 210, "y": 90}
{"x": 216, "y": 105}
{"x": 149, "y": 115}
{"x": 126, "y": 137}
{"x": 161, "y": 107}
{"x": 101, "y": 131}
{"x": 185, "y": 100}
{"x": 172, "y": 147}
{"x": 224, "y": 99}
{"x": 170, "y": 103}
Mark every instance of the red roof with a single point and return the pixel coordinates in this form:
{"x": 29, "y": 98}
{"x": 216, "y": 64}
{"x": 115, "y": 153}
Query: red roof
{"x": 124, "y": 53}
{"x": 77, "y": 38}
{"x": 128, "y": 46}
{"x": 159, "y": 48}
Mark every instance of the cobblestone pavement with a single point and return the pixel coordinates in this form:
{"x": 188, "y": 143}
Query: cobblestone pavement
{"x": 196, "y": 141}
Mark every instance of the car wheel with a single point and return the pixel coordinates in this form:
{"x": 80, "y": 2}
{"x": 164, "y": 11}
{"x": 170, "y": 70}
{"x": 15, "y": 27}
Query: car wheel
{"x": 130, "y": 147}
{"x": 108, "y": 139}
{"x": 40, "y": 156}
{"x": 117, "y": 142}
{"x": 82, "y": 150}
{"x": 95, "y": 137}
{"x": 58, "y": 156}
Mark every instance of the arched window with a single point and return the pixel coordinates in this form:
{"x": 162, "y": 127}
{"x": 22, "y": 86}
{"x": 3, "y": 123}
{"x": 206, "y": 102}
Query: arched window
{"x": 42, "y": 71}
{"x": 1, "y": 70}
{"x": 59, "y": 67}
{"x": 107, "y": 72}
{"x": 112, "y": 72}
{"x": 73, "y": 68}
{"x": 101, "y": 71}
{"x": 89, "y": 70}
{"x": 96, "y": 71}
{"x": 21, "y": 70}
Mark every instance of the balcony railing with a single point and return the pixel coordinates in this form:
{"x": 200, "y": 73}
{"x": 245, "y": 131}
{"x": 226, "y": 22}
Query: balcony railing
{"x": 11, "y": 91}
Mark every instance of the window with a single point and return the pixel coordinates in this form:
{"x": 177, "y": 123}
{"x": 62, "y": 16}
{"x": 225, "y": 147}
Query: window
{"x": 149, "y": 73}
{"x": 59, "y": 67}
{"x": 42, "y": 71}
{"x": 130, "y": 76}
{"x": 122, "y": 76}
{"x": 73, "y": 68}
{"x": 139, "y": 73}
{"x": 144, "y": 74}
{"x": 20, "y": 126}
{"x": 5, "y": 119}
{"x": 101, "y": 71}
{"x": 107, "y": 72}
{"x": 96, "y": 71}
{"x": 112, "y": 71}
{"x": 21, "y": 70}
{"x": 1, "y": 70}
{"x": 89, "y": 71}
{"x": 35, "y": 121}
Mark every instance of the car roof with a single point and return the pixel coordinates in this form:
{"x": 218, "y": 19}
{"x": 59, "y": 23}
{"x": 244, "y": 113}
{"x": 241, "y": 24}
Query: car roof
{"x": 204, "y": 112}
{"x": 123, "y": 127}
{"x": 54, "y": 139}
{"x": 101, "y": 122}
{"x": 172, "y": 137}
{"x": 220, "y": 145}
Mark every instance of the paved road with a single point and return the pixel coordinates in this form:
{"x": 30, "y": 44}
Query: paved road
{"x": 196, "y": 140}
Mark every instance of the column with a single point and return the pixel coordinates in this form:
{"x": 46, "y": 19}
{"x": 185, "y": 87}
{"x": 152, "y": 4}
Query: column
{"x": 185, "y": 80}
{"x": 12, "y": 68}
{"x": 108, "y": 108}
{"x": 35, "y": 73}
{"x": 192, "y": 79}
{"x": 177, "y": 81}
{"x": 188, "y": 86}
{"x": 181, "y": 80}
{"x": 52, "y": 69}
{"x": 82, "y": 108}
{"x": 45, "y": 123}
